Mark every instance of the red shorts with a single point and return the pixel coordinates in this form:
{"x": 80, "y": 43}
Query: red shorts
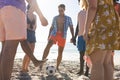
{"x": 58, "y": 39}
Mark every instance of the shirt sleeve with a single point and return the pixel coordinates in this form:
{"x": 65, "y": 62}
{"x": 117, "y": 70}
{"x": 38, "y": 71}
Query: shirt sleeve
{"x": 53, "y": 21}
{"x": 70, "y": 22}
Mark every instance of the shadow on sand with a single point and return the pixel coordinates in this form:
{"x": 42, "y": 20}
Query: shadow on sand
{"x": 61, "y": 76}
{"x": 24, "y": 76}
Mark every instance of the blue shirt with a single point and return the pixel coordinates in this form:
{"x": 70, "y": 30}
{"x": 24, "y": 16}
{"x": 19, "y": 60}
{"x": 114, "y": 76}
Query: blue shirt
{"x": 20, "y": 4}
{"x": 67, "y": 23}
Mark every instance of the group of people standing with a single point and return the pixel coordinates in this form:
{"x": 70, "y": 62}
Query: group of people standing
{"x": 98, "y": 35}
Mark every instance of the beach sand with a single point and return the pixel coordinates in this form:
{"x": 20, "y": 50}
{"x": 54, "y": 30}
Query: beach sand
{"x": 68, "y": 70}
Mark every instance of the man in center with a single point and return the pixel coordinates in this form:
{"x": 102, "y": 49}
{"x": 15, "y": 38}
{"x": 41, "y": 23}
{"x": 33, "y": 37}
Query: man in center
{"x": 58, "y": 33}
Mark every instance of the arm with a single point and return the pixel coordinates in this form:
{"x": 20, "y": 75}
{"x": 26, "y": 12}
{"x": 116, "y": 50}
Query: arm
{"x": 76, "y": 31}
{"x": 72, "y": 33}
{"x": 92, "y": 8}
{"x": 76, "y": 34}
{"x": 35, "y": 22}
{"x": 34, "y": 6}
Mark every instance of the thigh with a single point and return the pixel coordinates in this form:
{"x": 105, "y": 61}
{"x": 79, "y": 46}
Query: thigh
{"x": 97, "y": 57}
{"x": 108, "y": 57}
{"x": 61, "y": 41}
{"x": 2, "y": 29}
{"x": 50, "y": 43}
{"x": 15, "y": 23}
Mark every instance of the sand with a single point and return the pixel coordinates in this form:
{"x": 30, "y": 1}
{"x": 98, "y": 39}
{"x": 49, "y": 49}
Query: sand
{"x": 68, "y": 70}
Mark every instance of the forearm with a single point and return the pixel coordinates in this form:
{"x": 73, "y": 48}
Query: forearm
{"x": 35, "y": 7}
{"x": 76, "y": 32}
{"x": 72, "y": 31}
{"x": 91, "y": 12}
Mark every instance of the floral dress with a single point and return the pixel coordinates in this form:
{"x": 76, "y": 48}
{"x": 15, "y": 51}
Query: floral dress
{"x": 104, "y": 31}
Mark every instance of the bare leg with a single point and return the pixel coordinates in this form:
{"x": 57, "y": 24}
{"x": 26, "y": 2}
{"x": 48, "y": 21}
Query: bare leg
{"x": 46, "y": 51}
{"x": 108, "y": 67}
{"x": 81, "y": 63}
{"x": 29, "y": 52}
{"x": 59, "y": 58}
{"x": 97, "y": 58}
{"x": 7, "y": 58}
{"x": 26, "y": 59}
{"x": 87, "y": 70}
{"x": 0, "y": 59}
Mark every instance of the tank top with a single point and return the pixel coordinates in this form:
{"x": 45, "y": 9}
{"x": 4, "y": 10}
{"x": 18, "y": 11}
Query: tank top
{"x": 32, "y": 23}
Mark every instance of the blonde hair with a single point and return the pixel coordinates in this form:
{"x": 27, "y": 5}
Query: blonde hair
{"x": 83, "y": 4}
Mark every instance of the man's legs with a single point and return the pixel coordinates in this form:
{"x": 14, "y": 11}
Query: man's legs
{"x": 59, "y": 58}
{"x": 46, "y": 51}
{"x": 81, "y": 63}
{"x": 87, "y": 70}
{"x": 7, "y": 58}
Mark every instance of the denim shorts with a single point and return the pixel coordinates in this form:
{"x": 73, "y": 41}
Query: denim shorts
{"x": 81, "y": 44}
{"x": 31, "y": 38}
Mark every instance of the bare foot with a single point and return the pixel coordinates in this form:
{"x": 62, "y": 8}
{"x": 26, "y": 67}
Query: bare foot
{"x": 80, "y": 73}
{"x": 58, "y": 69}
{"x": 39, "y": 62}
{"x": 41, "y": 66}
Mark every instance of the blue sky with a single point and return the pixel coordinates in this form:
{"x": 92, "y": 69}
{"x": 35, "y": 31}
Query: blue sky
{"x": 50, "y": 9}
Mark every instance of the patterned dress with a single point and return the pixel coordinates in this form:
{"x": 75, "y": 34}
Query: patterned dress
{"x": 104, "y": 32}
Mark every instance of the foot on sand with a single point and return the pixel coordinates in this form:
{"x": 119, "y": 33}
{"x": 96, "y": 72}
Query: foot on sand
{"x": 80, "y": 73}
{"x": 39, "y": 62}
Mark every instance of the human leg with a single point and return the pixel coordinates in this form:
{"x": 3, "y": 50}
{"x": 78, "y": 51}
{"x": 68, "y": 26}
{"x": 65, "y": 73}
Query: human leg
{"x": 97, "y": 58}
{"x": 29, "y": 52}
{"x": 26, "y": 59}
{"x": 59, "y": 58}
{"x": 87, "y": 70}
{"x": 47, "y": 49}
{"x": 108, "y": 66}
{"x": 1, "y": 57}
{"x": 7, "y": 58}
{"x": 81, "y": 63}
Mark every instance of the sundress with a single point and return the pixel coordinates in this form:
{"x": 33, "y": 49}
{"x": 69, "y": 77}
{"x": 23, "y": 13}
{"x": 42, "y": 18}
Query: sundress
{"x": 104, "y": 31}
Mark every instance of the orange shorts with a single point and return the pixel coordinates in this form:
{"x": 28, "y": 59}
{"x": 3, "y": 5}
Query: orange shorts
{"x": 58, "y": 39}
{"x": 12, "y": 24}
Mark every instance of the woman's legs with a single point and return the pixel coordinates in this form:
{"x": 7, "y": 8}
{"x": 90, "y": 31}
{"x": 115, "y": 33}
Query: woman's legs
{"x": 26, "y": 59}
{"x": 108, "y": 66}
{"x": 97, "y": 58}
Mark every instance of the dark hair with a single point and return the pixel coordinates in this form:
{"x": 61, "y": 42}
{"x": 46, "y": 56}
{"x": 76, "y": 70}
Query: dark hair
{"x": 78, "y": 0}
{"x": 62, "y": 6}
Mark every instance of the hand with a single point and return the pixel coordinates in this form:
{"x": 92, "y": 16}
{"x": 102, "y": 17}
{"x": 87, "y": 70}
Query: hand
{"x": 73, "y": 40}
{"x": 44, "y": 21}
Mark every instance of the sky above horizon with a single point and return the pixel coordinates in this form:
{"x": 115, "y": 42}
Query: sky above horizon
{"x": 49, "y": 10}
